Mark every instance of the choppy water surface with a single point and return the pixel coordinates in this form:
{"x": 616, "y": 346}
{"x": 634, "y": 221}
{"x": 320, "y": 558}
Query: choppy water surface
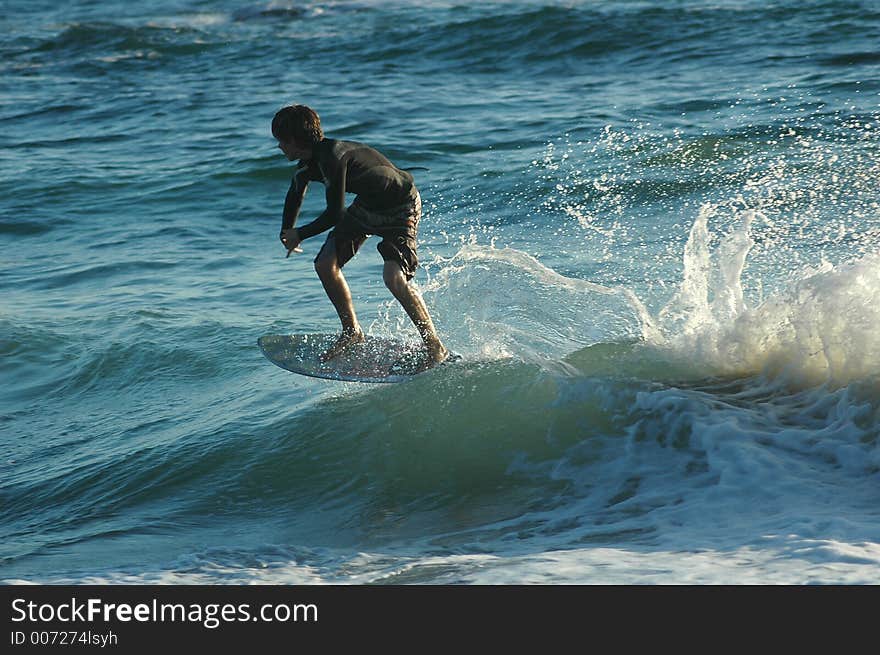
{"x": 651, "y": 228}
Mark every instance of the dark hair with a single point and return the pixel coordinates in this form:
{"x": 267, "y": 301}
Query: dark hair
{"x": 297, "y": 123}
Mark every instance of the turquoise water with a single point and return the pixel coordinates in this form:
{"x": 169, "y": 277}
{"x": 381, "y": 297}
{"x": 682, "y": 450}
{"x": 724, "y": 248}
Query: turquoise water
{"x": 651, "y": 228}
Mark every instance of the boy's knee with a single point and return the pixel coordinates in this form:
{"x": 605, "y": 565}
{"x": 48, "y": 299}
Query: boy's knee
{"x": 325, "y": 265}
{"x": 394, "y": 278}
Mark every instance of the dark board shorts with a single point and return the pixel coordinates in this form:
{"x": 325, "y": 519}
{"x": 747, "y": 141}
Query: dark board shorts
{"x": 398, "y": 227}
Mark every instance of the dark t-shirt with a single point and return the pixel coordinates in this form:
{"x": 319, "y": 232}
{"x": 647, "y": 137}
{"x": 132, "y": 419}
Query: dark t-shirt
{"x": 346, "y": 167}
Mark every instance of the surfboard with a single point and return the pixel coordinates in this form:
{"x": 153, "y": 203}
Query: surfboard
{"x": 377, "y": 359}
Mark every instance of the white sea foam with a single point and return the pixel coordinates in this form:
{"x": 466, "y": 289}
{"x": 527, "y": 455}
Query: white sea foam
{"x": 822, "y": 327}
{"x": 778, "y": 559}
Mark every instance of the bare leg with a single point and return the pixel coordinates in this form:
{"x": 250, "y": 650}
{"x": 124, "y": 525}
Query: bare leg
{"x": 415, "y": 307}
{"x": 337, "y": 290}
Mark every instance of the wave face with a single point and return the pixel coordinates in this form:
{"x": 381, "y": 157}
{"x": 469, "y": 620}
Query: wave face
{"x": 651, "y": 229}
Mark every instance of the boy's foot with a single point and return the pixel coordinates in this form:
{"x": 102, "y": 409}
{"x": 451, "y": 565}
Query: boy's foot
{"x": 438, "y": 357}
{"x": 414, "y": 362}
{"x": 435, "y": 357}
{"x": 346, "y": 339}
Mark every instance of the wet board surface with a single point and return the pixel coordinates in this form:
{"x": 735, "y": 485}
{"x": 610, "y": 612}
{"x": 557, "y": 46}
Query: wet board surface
{"x": 377, "y": 359}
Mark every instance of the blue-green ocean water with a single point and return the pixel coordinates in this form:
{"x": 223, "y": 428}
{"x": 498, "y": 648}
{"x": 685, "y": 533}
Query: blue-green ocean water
{"x": 650, "y": 227}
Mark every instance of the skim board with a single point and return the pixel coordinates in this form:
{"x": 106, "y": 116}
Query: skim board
{"x": 377, "y": 359}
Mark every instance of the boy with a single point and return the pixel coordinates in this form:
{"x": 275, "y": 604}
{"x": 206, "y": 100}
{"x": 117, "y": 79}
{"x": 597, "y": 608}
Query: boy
{"x": 387, "y": 204}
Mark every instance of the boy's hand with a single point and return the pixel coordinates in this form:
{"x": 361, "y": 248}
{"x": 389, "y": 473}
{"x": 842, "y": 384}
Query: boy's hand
{"x": 290, "y": 239}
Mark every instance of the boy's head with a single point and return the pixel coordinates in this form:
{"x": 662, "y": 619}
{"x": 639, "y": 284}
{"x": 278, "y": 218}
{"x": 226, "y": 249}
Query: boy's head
{"x": 297, "y": 124}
